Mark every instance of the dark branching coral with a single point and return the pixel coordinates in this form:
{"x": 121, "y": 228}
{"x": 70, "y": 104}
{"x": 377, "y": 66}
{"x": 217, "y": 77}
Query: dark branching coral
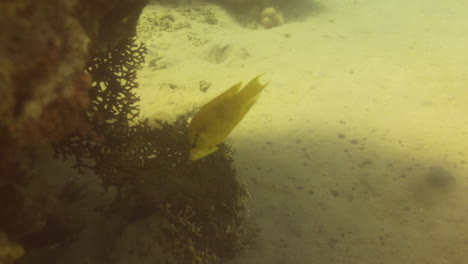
{"x": 112, "y": 110}
{"x": 202, "y": 203}
{"x": 91, "y": 114}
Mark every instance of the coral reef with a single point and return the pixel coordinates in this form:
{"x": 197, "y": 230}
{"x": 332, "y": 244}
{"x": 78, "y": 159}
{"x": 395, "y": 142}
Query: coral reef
{"x": 43, "y": 99}
{"x": 270, "y": 17}
{"x": 150, "y": 168}
{"x": 251, "y": 14}
{"x": 112, "y": 107}
{"x": 33, "y": 76}
{"x": 43, "y": 88}
{"x": 74, "y": 90}
{"x": 269, "y": 13}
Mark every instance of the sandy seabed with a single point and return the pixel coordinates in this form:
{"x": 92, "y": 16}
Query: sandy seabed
{"x": 366, "y": 99}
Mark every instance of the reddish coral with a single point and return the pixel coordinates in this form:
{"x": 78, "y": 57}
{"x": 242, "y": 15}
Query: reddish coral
{"x": 42, "y": 66}
{"x": 61, "y": 117}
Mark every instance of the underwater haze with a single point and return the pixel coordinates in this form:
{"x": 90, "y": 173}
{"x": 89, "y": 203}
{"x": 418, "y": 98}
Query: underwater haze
{"x": 357, "y": 150}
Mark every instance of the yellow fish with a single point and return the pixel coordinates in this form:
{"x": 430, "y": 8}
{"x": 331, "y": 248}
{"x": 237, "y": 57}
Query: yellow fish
{"x": 215, "y": 120}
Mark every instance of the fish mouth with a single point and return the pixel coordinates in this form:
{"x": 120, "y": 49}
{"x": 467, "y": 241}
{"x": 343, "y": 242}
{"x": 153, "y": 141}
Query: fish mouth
{"x": 196, "y": 154}
{"x": 192, "y": 157}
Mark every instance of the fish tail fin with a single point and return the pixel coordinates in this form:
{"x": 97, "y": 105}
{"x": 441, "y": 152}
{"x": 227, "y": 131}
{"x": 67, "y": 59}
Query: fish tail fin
{"x": 229, "y": 92}
{"x": 250, "y": 93}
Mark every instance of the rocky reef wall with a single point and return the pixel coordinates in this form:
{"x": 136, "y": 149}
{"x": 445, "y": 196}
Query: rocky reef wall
{"x": 67, "y": 78}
